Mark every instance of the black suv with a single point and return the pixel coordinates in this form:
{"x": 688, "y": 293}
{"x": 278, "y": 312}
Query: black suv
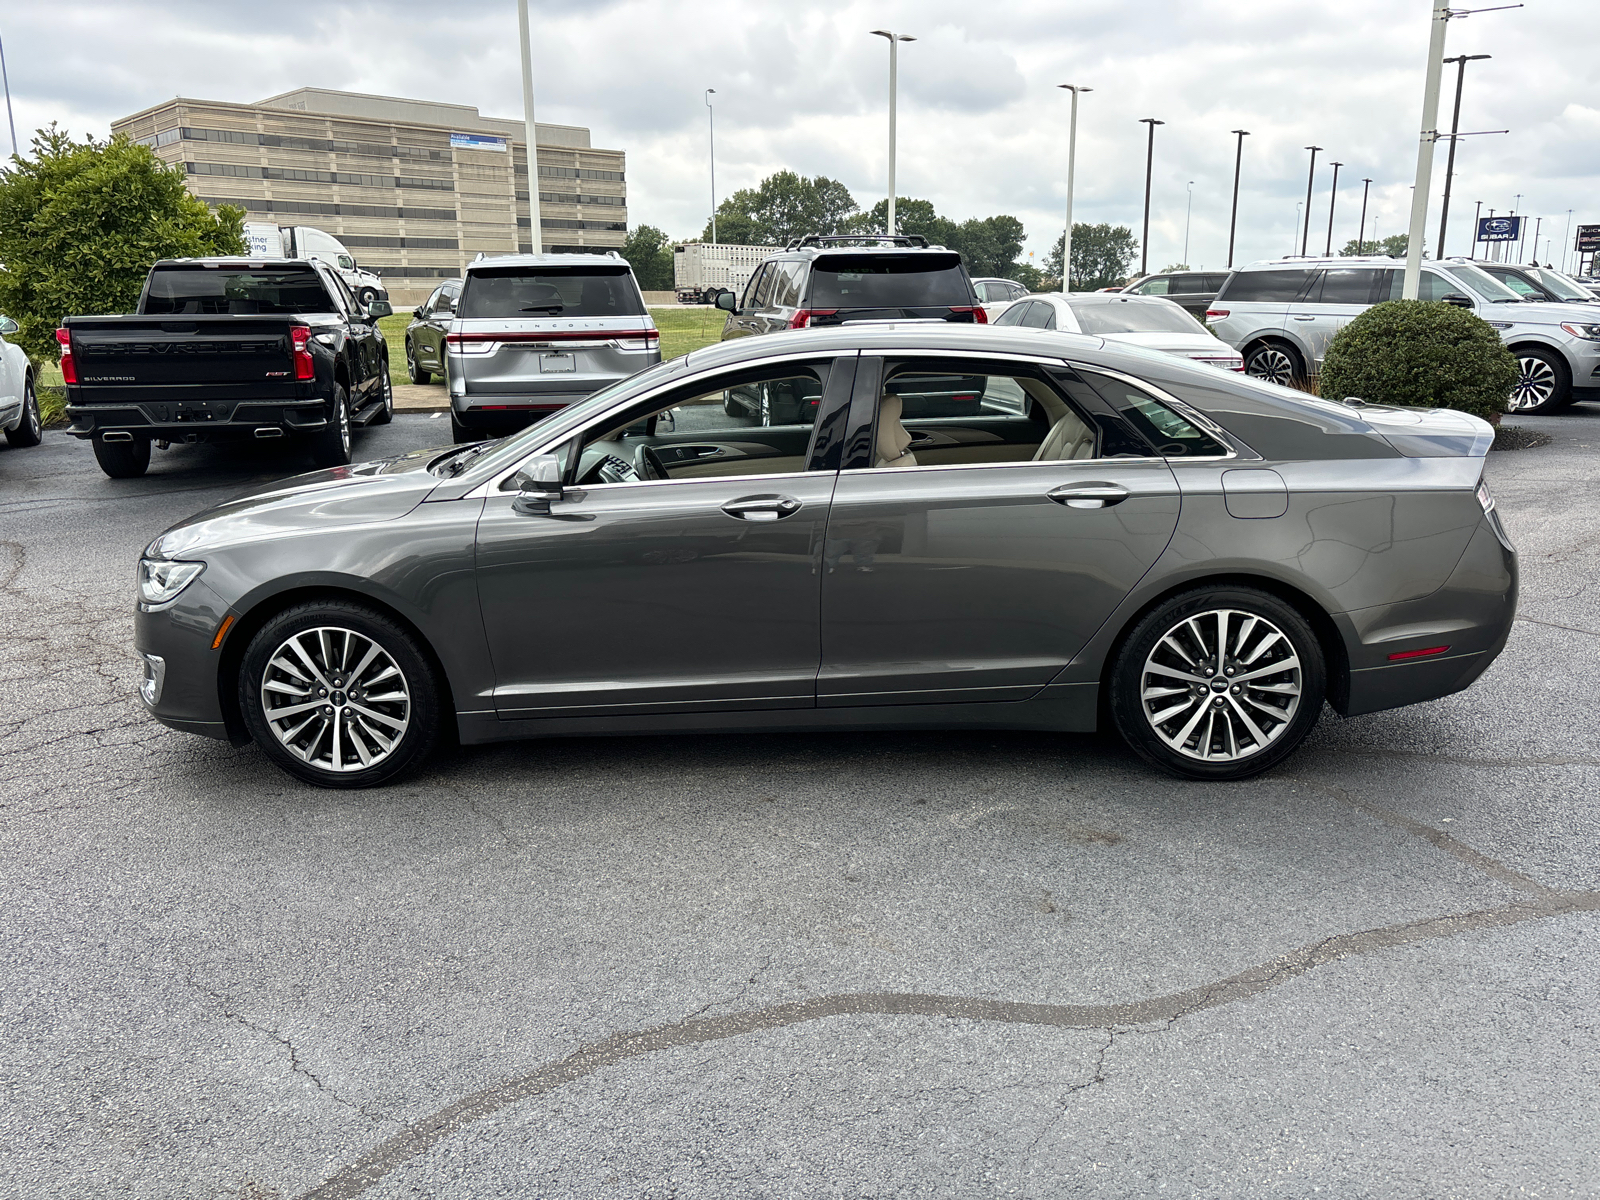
{"x": 822, "y": 280}
{"x": 1194, "y": 290}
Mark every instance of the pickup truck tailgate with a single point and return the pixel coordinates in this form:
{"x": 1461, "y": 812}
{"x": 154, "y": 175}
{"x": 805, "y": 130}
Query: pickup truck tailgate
{"x": 128, "y": 358}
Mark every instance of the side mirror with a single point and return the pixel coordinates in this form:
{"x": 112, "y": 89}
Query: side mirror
{"x": 380, "y": 308}
{"x": 727, "y": 302}
{"x": 538, "y": 484}
{"x": 7, "y": 325}
{"x": 418, "y": 314}
{"x": 1458, "y": 300}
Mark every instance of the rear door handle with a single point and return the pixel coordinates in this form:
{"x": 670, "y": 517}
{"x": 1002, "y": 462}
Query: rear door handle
{"x": 1088, "y": 495}
{"x": 762, "y": 508}
{"x": 1309, "y": 317}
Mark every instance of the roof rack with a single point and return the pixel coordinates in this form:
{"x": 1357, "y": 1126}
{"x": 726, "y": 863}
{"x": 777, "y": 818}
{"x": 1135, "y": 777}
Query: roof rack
{"x": 913, "y": 240}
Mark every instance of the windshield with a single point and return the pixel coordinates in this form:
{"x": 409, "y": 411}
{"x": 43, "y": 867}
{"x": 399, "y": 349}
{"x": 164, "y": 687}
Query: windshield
{"x": 519, "y": 293}
{"x": 1485, "y": 284}
{"x": 1129, "y": 316}
{"x": 1559, "y": 285}
{"x": 240, "y": 291}
{"x": 920, "y": 280}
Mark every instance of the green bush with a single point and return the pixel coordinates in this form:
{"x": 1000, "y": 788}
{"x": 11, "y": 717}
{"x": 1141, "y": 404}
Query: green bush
{"x": 1421, "y": 354}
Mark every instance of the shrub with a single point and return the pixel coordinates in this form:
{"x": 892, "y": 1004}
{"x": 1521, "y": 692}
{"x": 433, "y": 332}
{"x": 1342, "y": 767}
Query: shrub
{"x": 1421, "y": 354}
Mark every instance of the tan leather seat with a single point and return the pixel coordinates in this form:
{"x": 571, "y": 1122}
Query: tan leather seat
{"x": 1069, "y": 438}
{"x": 893, "y": 440}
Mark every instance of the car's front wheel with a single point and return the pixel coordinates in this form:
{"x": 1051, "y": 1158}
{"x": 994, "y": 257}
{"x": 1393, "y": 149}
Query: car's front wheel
{"x": 1543, "y": 385}
{"x": 1275, "y": 363}
{"x": 1218, "y": 683}
{"x": 339, "y": 695}
{"x": 413, "y": 372}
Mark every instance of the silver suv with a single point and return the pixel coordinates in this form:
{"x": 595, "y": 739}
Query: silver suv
{"x": 1282, "y": 314}
{"x": 533, "y": 333}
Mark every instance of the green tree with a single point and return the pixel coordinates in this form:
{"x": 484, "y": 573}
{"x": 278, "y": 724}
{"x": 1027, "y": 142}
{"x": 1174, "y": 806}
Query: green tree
{"x": 649, "y": 253}
{"x": 990, "y": 246}
{"x": 912, "y": 216}
{"x": 81, "y": 223}
{"x": 782, "y": 207}
{"x": 1102, "y": 256}
{"x": 1394, "y": 247}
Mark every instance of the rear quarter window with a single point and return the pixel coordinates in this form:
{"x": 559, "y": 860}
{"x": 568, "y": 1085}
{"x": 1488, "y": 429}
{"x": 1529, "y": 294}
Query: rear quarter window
{"x": 528, "y": 293}
{"x": 1265, "y": 286}
{"x": 889, "y": 281}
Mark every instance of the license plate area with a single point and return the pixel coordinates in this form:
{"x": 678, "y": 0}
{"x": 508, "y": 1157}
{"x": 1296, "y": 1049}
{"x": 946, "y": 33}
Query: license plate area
{"x": 555, "y": 364}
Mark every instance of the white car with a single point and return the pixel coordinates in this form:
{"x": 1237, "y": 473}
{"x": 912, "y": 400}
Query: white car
{"x": 19, "y": 403}
{"x": 1149, "y": 321}
{"x": 997, "y": 295}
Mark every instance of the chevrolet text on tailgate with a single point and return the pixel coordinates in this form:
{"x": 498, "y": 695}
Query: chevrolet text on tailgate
{"x": 227, "y": 348}
{"x": 534, "y": 333}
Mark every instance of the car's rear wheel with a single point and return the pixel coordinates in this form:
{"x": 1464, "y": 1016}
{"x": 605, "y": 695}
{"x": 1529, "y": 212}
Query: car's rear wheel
{"x": 1218, "y": 683}
{"x": 30, "y": 429}
{"x": 331, "y": 446}
{"x": 339, "y": 695}
{"x": 1543, "y": 385}
{"x": 1275, "y": 363}
{"x": 413, "y": 372}
{"x": 123, "y": 460}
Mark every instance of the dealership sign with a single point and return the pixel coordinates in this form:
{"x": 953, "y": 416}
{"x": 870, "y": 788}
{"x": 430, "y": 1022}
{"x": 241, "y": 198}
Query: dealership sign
{"x": 1499, "y": 229}
{"x": 1588, "y": 238}
{"x": 477, "y": 141}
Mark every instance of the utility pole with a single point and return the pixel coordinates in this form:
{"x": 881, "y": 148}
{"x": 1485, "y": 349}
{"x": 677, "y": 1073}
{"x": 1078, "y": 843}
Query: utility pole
{"x": 1188, "y": 209}
{"x": 1149, "y": 163}
{"x": 711, "y": 118}
{"x": 1429, "y": 133}
{"x": 6, "y": 78}
{"x": 1566, "y": 242}
{"x": 535, "y": 227}
{"x": 1233, "y": 217}
{"x": 1538, "y": 222}
{"x": 1072, "y": 159}
{"x": 894, "y": 65}
{"x": 1461, "y": 62}
{"x": 1311, "y": 176}
{"x": 1333, "y": 196}
{"x": 1361, "y": 234}
{"x": 1477, "y": 214}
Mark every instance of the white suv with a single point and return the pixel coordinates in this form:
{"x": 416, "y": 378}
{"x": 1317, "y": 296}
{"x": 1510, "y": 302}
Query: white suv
{"x": 1282, "y": 314}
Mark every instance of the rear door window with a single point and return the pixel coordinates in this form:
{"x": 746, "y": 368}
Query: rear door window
{"x": 528, "y": 293}
{"x": 1038, "y": 315}
{"x": 1267, "y": 286}
{"x": 1348, "y": 285}
{"x": 1154, "y": 287}
{"x": 786, "y": 288}
{"x": 1172, "y": 434}
{"x": 920, "y": 280}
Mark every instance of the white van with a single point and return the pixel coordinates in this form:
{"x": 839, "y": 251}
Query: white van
{"x": 303, "y": 241}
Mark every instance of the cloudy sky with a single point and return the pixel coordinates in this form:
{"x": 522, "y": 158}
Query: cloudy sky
{"x": 982, "y": 128}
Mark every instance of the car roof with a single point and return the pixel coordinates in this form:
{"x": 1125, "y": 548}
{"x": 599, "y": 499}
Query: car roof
{"x": 547, "y": 260}
{"x": 230, "y": 260}
{"x": 1352, "y": 260}
{"x": 1088, "y": 299}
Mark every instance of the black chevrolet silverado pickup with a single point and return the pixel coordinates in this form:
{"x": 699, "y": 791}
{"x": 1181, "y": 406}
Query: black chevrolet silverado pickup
{"x": 227, "y": 348}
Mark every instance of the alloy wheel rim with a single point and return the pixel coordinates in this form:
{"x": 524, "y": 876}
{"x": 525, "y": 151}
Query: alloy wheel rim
{"x": 344, "y": 425}
{"x": 1274, "y": 366}
{"x": 1221, "y": 685}
{"x": 35, "y": 422}
{"x": 411, "y": 360}
{"x": 1536, "y": 383}
{"x": 335, "y": 699}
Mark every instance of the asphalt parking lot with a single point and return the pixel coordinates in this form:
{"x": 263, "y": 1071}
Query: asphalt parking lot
{"x": 862, "y": 965}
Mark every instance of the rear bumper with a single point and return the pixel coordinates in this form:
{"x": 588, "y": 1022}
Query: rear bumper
{"x": 198, "y": 420}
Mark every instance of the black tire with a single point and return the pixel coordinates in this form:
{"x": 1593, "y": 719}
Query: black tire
{"x": 1276, "y": 362}
{"x": 123, "y": 460}
{"x": 732, "y": 407}
{"x": 385, "y": 412}
{"x": 1248, "y": 739}
{"x": 330, "y": 447}
{"x": 1544, "y": 382}
{"x": 413, "y": 372}
{"x": 367, "y": 295}
{"x": 460, "y": 434}
{"x": 357, "y": 715}
{"x": 30, "y": 429}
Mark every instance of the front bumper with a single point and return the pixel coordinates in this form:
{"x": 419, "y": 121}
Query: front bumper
{"x": 199, "y": 420}
{"x": 183, "y": 692}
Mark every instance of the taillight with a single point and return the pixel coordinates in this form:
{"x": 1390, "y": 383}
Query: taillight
{"x": 1216, "y": 314}
{"x": 305, "y": 366}
{"x": 975, "y": 315}
{"x": 802, "y": 317}
{"x": 643, "y": 340}
{"x": 69, "y": 369}
{"x": 1428, "y": 653}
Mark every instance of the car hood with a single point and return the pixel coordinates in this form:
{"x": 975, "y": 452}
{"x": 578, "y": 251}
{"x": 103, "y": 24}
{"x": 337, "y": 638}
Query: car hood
{"x": 359, "y": 494}
{"x": 1536, "y": 313}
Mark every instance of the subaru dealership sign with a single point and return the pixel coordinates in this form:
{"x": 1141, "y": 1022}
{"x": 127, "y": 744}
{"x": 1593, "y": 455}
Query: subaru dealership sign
{"x": 1499, "y": 229}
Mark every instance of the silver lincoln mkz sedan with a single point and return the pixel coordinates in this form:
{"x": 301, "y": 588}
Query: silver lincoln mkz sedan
{"x": 1108, "y": 534}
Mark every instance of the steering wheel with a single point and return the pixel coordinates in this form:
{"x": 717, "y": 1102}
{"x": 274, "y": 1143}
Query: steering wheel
{"x": 648, "y": 463}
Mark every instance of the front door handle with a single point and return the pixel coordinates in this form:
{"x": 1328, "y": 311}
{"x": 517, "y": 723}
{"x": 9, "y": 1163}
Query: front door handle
{"x": 762, "y": 508}
{"x": 1309, "y": 317}
{"x": 1088, "y": 495}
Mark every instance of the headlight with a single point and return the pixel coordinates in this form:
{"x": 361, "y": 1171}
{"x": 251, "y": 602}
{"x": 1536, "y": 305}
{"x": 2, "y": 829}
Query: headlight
{"x": 161, "y": 579}
{"x": 1589, "y": 333}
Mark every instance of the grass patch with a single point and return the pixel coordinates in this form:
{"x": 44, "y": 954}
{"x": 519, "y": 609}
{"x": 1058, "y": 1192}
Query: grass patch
{"x": 52, "y": 405}
{"x": 688, "y": 327}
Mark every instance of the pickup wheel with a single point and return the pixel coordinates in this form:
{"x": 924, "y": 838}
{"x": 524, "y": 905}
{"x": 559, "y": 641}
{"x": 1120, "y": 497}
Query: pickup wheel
{"x": 413, "y": 372}
{"x": 29, "y": 430}
{"x": 123, "y": 460}
{"x": 331, "y": 446}
{"x": 385, "y": 412}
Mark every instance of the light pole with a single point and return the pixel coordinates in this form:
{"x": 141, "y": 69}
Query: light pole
{"x": 1566, "y": 242}
{"x": 1072, "y": 158}
{"x": 1476, "y": 214}
{"x": 12, "y": 121}
{"x": 530, "y": 131}
{"x": 1333, "y": 196}
{"x": 894, "y": 40}
{"x": 1298, "y": 206}
{"x": 1361, "y": 234}
{"x": 1188, "y": 208}
{"x": 1516, "y": 208}
{"x": 711, "y": 128}
{"x": 1233, "y": 217}
{"x": 1537, "y": 224}
{"x": 1149, "y": 162}
{"x": 1461, "y": 62}
{"x": 1311, "y": 176}
{"x": 1425, "y": 141}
